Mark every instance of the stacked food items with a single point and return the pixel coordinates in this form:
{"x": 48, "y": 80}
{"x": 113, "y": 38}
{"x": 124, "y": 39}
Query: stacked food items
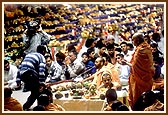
{"x": 75, "y": 90}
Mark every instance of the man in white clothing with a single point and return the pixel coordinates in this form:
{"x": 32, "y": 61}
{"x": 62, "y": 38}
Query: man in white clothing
{"x": 124, "y": 69}
{"x": 10, "y": 73}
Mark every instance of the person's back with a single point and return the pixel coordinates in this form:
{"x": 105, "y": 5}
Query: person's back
{"x": 33, "y": 37}
{"x": 32, "y": 72}
{"x": 10, "y": 103}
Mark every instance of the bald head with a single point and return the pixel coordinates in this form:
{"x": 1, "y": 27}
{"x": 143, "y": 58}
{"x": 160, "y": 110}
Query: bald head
{"x": 137, "y": 39}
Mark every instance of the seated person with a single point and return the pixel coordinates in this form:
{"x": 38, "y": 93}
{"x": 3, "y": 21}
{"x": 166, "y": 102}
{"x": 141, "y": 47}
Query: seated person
{"x": 111, "y": 97}
{"x": 100, "y": 69}
{"x": 73, "y": 66}
{"x": 45, "y": 89}
{"x": 107, "y": 82}
{"x": 53, "y": 70}
{"x": 119, "y": 106}
{"x": 89, "y": 65}
{"x": 10, "y": 74}
{"x": 113, "y": 70}
{"x": 44, "y": 100}
{"x": 10, "y": 103}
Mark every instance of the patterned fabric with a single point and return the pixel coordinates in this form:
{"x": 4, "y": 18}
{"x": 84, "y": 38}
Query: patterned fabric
{"x": 34, "y": 62}
{"x": 76, "y": 68}
{"x": 54, "y": 71}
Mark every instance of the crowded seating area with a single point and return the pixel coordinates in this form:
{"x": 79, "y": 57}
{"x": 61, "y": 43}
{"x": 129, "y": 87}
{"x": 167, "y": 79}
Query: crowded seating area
{"x": 105, "y": 57}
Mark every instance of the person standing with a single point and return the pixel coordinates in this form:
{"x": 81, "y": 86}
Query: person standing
{"x": 54, "y": 70}
{"x": 32, "y": 73}
{"x": 34, "y": 36}
{"x": 142, "y": 69}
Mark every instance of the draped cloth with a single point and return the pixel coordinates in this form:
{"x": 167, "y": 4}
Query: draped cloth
{"x": 11, "y": 104}
{"x": 54, "y": 107}
{"x": 142, "y": 71}
{"x": 106, "y": 69}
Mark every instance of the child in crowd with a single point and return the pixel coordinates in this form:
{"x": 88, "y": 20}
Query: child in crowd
{"x": 124, "y": 69}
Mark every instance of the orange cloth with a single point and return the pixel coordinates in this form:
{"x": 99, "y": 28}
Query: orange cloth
{"x": 142, "y": 71}
{"x": 54, "y": 107}
{"x": 79, "y": 46}
{"x": 12, "y": 104}
{"x": 158, "y": 84}
{"x": 114, "y": 72}
{"x": 98, "y": 75}
{"x": 108, "y": 68}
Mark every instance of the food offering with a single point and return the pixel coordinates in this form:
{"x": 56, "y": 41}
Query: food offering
{"x": 75, "y": 90}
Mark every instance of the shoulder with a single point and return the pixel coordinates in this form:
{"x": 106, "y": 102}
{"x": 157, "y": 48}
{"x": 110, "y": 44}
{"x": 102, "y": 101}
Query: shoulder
{"x": 13, "y": 66}
{"x": 90, "y": 62}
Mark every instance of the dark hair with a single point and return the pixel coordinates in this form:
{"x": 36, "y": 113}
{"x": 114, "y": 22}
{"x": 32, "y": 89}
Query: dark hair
{"x": 146, "y": 99}
{"x": 100, "y": 44}
{"x": 41, "y": 49}
{"x": 107, "y": 57}
{"x": 43, "y": 99}
{"x": 60, "y": 55}
{"x": 154, "y": 45}
{"x": 7, "y": 92}
{"x": 122, "y": 108}
{"x": 156, "y": 37}
{"x": 89, "y": 42}
{"x": 116, "y": 104}
{"x": 85, "y": 53}
{"x": 48, "y": 56}
{"x": 71, "y": 48}
{"x": 111, "y": 95}
{"x": 121, "y": 55}
{"x": 39, "y": 108}
{"x": 6, "y": 62}
{"x": 123, "y": 43}
{"x": 90, "y": 50}
{"x": 130, "y": 45}
{"x": 118, "y": 49}
{"x": 110, "y": 46}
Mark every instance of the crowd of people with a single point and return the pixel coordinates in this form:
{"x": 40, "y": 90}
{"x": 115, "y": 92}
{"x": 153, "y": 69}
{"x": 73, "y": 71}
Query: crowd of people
{"x": 115, "y": 46}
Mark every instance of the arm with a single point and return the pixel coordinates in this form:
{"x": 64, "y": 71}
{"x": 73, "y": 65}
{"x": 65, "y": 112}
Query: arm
{"x": 89, "y": 78}
{"x": 57, "y": 71}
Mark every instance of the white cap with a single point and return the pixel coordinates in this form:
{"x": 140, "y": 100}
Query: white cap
{"x": 110, "y": 37}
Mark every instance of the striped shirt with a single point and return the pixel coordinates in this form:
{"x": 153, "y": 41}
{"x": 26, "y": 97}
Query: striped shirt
{"x": 35, "y": 62}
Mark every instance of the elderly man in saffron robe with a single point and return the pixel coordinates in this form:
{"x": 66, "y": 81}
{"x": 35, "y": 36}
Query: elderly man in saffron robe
{"x": 142, "y": 69}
